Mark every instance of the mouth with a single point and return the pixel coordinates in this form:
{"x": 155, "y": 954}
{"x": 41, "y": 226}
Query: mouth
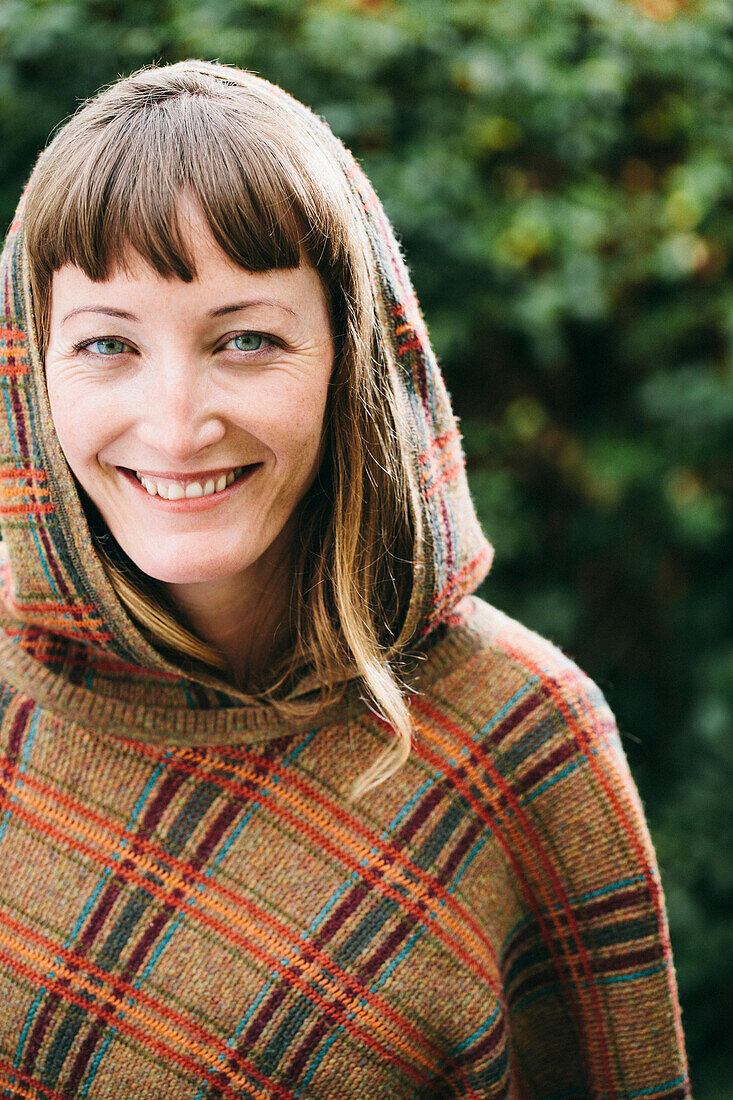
{"x": 183, "y": 492}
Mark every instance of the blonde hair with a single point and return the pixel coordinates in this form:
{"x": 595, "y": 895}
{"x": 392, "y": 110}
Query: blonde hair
{"x": 266, "y": 176}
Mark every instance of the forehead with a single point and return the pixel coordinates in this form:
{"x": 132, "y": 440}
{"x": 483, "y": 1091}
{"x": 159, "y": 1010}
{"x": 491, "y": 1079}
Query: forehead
{"x": 135, "y": 286}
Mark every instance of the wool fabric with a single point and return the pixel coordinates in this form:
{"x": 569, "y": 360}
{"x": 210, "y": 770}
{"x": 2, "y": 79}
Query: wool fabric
{"x": 191, "y": 908}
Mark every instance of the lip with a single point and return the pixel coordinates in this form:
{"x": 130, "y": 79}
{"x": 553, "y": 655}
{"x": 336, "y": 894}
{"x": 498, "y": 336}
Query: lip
{"x": 198, "y": 475}
{"x": 190, "y": 504}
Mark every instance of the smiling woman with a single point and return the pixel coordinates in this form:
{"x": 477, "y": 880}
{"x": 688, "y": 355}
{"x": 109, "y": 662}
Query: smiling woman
{"x": 286, "y": 810}
{"x": 197, "y": 442}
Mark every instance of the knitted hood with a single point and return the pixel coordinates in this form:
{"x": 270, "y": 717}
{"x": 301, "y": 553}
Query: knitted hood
{"x": 61, "y": 614}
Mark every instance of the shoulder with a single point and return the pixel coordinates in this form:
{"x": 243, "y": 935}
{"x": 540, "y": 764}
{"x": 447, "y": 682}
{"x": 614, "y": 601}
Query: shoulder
{"x": 525, "y": 709}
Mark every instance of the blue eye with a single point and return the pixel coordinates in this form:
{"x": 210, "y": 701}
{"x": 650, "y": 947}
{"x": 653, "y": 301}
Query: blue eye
{"x": 108, "y": 345}
{"x": 248, "y": 341}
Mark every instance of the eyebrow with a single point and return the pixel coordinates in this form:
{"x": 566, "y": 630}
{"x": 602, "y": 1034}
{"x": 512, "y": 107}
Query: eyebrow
{"x": 220, "y": 311}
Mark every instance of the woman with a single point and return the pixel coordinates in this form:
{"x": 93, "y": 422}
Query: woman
{"x": 286, "y": 810}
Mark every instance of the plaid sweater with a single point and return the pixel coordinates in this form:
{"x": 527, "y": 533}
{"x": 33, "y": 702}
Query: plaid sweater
{"x": 189, "y": 905}
{"x": 180, "y": 920}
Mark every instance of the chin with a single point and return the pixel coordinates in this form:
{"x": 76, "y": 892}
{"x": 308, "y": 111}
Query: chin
{"x": 187, "y": 568}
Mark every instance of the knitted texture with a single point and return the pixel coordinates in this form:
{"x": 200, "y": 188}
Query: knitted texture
{"x": 189, "y": 905}
{"x": 182, "y": 921}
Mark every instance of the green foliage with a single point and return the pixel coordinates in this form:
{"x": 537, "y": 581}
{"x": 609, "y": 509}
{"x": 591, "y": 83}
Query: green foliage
{"x": 560, "y": 173}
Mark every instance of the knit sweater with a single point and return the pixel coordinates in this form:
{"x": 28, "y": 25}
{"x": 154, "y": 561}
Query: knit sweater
{"x": 190, "y": 907}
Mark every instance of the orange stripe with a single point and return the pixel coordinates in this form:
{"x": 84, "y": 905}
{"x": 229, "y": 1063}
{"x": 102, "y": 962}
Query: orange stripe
{"x": 10, "y": 1077}
{"x": 438, "y": 443}
{"x": 447, "y": 475}
{"x": 433, "y": 464}
{"x": 23, "y": 471}
{"x": 26, "y": 509}
{"x": 60, "y": 608}
{"x": 467, "y": 569}
{"x": 23, "y": 490}
{"x": 45, "y": 648}
{"x": 9, "y": 367}
{"x": 478, "y": 944}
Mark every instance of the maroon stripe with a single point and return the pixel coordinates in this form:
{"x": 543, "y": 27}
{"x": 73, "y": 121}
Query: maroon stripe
{"x": 513, "y": 719}
{"x": 642, "y": 957}
{"x": 487, "y": 1044}
{"x": 626, "y": 899}
{"x": 447, "y": 538}
{"x": 545, "y": 975}
{"x": 53, "y": 564}
{"x": 210, "y": 841}
{"x": 19, "y": 420}
{"x": 39, "y": 1030}
{"x": 166, "y": 792}
{"x": 342, "y": 912}
{"x": 361, "y": 890}
{"x": 255, "y": 1029}
{"x": 543, "y": 768}
{"x": 15, "y": 739}
{"x": 432, "y": 798}
{"x": 460, "y": 850}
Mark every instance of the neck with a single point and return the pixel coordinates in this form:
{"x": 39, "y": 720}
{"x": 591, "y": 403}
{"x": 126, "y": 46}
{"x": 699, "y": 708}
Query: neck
{"x": 244, "y": 616}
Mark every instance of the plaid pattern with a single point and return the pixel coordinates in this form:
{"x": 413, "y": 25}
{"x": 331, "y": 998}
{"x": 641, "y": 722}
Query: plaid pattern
{"x": 188, "y": 905}
{"x": 204, "y": 922}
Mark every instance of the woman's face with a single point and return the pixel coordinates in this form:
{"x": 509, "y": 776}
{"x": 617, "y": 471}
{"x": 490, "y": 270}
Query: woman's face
{"x": 192, "y": 413}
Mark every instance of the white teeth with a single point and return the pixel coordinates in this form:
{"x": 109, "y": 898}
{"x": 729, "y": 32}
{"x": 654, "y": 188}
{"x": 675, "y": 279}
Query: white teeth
{"x": 173, "y": 490}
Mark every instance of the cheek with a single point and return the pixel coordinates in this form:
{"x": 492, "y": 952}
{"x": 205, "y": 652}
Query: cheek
{"x": 291, "y": 422}
{"x": 83, "y": 419}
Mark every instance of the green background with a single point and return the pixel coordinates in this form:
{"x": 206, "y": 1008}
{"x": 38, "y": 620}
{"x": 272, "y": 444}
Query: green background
{"x": 560, "y": 175}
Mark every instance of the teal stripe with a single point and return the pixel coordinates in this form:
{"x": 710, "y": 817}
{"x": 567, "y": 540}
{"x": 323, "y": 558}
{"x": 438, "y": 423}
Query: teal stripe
{"x": 651, "y": 1090}
{"x": 384, "y": 911}
{"x": 550, "y": 782}
{"x": 578, "y": 899}
{"x": 30, "y": 737}
{"x": 476, "y": 1035}
{"x": 553, "y": 987}
{"x": 358, "y": 940}
{"x": 501, "y": 714}
{"x": 614, "y": 979}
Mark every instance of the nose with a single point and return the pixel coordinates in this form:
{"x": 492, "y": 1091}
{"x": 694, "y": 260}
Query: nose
{"x": 178, "y": 419}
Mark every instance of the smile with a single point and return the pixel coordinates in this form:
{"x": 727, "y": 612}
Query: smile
{"x": 185, "y": 488}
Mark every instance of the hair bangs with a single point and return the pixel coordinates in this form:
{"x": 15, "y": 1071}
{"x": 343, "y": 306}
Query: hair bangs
{"x": 124, "y": 195}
